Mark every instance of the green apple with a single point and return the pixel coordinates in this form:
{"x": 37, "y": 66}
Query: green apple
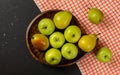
{"x": 57, "y": 39}
{"x": 95, "y": 15}
{"x": 40, "y": 41}
{"x": 69, "y": 51}
{"x": 104, "y": 54}
{"x": 72, "y": 33}
{"x": 53, "y": 56}
{"x": 87, "y": 42}
{"x": 62, "y": 19}
{"x": 46, "y": 26}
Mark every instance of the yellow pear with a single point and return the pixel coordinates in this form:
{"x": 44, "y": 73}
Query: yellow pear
{"x": 87, "y": 42}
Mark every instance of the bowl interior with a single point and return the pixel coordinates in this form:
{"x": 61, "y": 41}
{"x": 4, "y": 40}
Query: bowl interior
{"x": 33, "y": 29}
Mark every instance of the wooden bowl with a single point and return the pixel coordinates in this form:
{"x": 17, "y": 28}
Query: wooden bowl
{"x": 33, "y": 29}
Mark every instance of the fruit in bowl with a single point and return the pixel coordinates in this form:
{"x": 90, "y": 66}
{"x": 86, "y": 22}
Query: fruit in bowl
{"x": 40, "y": 41}
{"x": 63, "y": 32}
{"x": 57, "y": 39}
{"x": 62, "y": 19}
{"x": 69, "y": 51}
{"x": 46, "y": 26}
{"x": 72, "y": 33}
{"x": 53, "y": 56}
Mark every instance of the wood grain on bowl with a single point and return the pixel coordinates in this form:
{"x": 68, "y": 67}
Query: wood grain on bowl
{"x": 33, "y": 29}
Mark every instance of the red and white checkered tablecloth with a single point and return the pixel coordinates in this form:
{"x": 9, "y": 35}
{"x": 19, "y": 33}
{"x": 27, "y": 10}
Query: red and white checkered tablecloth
{"x": 109, "y": 29}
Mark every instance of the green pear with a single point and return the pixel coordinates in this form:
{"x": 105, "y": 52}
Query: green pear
{"x": 62, "y": 19}
{"x": 95, "y": 15}
{"x": 87, "y": 42}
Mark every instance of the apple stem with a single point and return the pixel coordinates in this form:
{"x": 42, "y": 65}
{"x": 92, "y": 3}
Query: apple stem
{"x": 32, "y": 37}
{"x": 100, "y": 20}
{"x": 73, "y": 35}
{"x": 69, "y": 52}
{"x": 45, "y": 27}
{"x": 56, "y": 39}
{"x": 105, "y": 56}
{"x": 98, "y": 34}
{"x": 53, "y": 59}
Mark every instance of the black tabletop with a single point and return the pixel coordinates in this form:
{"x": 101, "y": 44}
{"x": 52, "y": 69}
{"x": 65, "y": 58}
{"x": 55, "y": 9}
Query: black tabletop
{"x": 15, "y": 59}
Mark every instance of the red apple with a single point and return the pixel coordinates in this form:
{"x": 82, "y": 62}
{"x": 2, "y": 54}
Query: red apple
{"x": 40, "y": 41}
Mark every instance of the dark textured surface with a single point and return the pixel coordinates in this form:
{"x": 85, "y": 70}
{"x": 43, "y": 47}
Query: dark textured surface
{"x": 15, "y": 15}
